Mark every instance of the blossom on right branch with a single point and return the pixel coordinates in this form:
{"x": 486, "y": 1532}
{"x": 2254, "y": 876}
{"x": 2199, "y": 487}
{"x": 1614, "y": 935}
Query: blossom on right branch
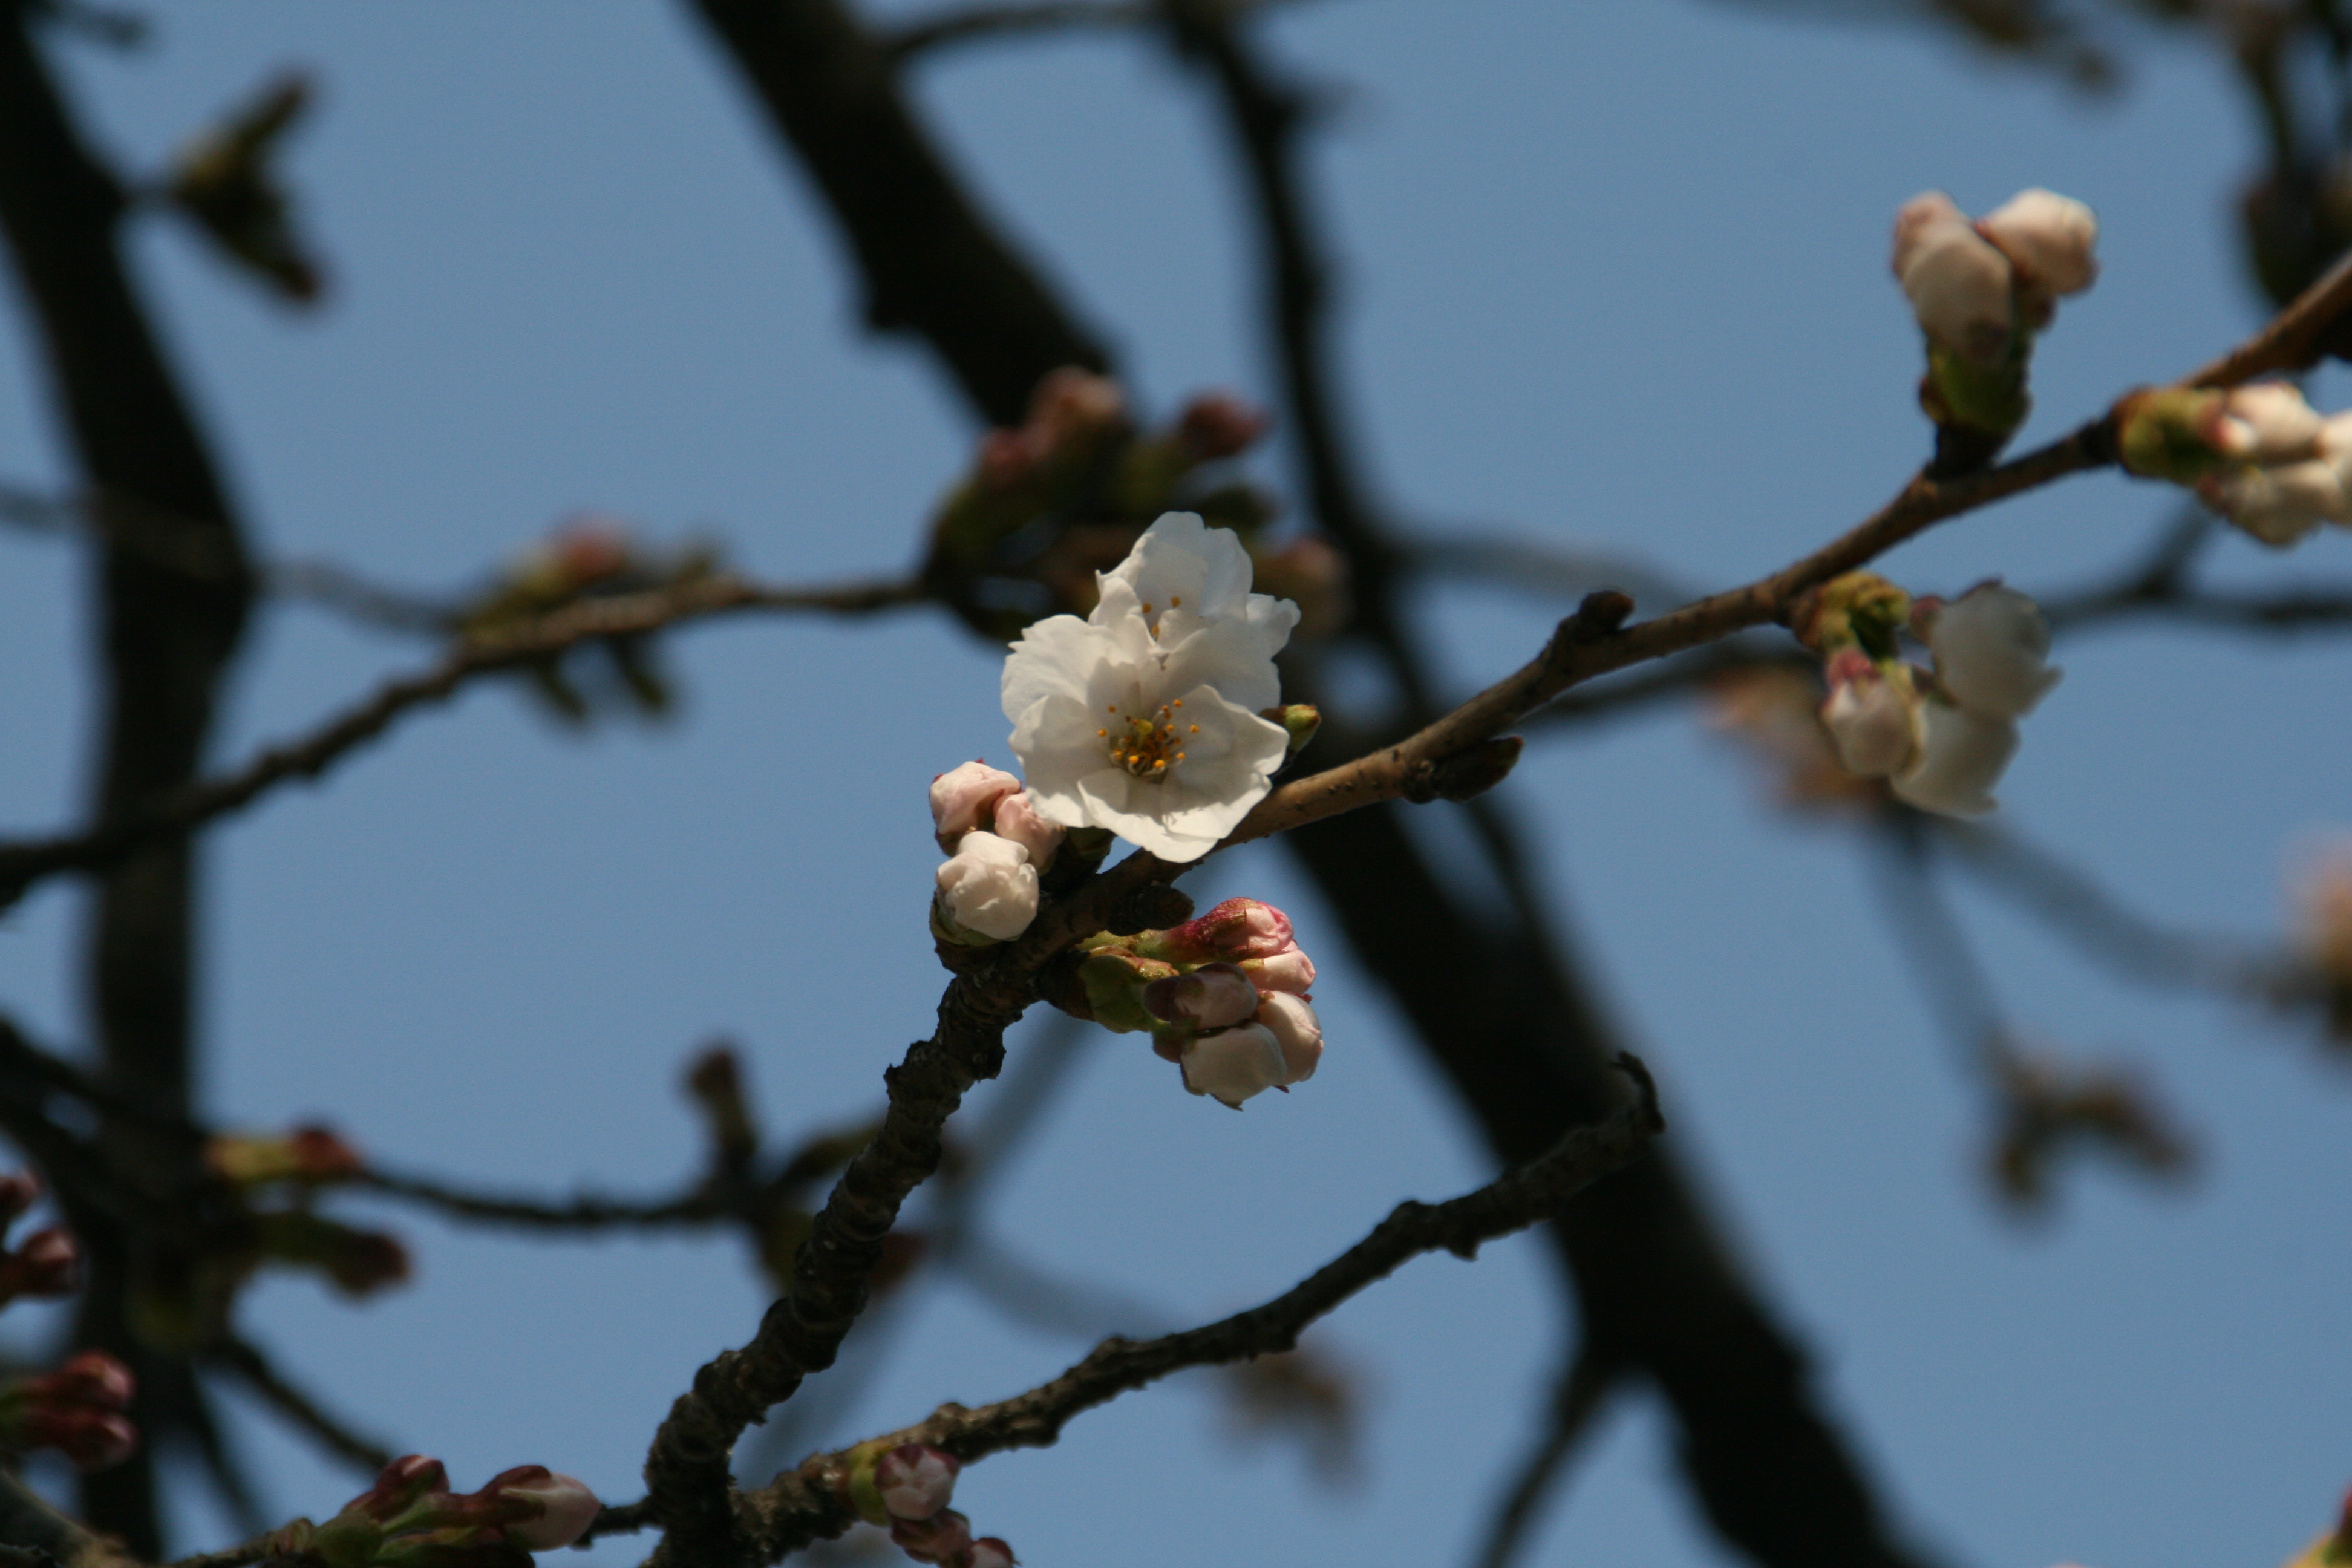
{"x": 2258, "y": 455}
{"x": 1941, "y": 738}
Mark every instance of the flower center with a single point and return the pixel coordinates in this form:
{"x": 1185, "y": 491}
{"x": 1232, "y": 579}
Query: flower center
{"x": 1147, "y": 747}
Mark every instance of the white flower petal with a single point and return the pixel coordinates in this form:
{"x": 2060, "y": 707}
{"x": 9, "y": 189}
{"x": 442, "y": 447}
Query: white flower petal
{"x": 2053, "y": 239}
{"x": 1961, "y": 757}
{"x": 1054, "y": 655}
{"x": 1993, "y": 649}
{"x": 1181, "y": 561}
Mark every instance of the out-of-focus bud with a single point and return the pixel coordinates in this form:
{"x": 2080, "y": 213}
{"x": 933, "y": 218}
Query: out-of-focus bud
{"x": 990, "y": 1551}
{"x": 1991, "y": 646}
{"x": 1774, "y": 711}
{"x": 359, "y": 1262}
{"x": 945, "y": 1537}
{"x": 965, "y": 797}
{"x": 1958, "y": 282}
{"x": 988, "y": 886}
{"x": 2050, "y": 238}
{"x": 77, "y": 1410}
{"x": 312, "y": 1155}
{"x": 400, "y": 1487}
{"x": 46, "y": 1264}
{"x": 1859, "y": 609}
{"x": 1073, "y": 405}
{"x": 1290, "y": 971}
{"x": 2267, "y": 421}
{"x": 1235, "y": 929}
{"x": 1006, "y": 460}
{"x": 1017, "y": 819}
{"x": 2171, "y": 431}
{"x": 1295, "y": 1031}
{"x": 1213, "y": 997}
{"x": 915, "y": 1481}
{"x": 1312, "y": 575}
{"x": 1219, "y": 424}
{"x": 19, "y": 1189}
{"x": 2281, "y": 503}
{"x": 1235, "y": 1065}
{"x": 1872, "y": 721}
{"x": 564, "y": 1508}
{"x": 1961, "y": 756}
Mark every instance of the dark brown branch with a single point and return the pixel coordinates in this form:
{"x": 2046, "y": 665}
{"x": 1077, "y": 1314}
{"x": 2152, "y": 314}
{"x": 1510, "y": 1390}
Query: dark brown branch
{"x": 931, "y": 262}
{"x": 803, "y": 1506}
{"x": 246, "y": 1363}
{"x": 2294, "y": 339}
{"x": 38, "y": 1536}
{"x": 25, "y": 862}
{"x": 166, "y": 641}
{"x": 586, "y": 1212}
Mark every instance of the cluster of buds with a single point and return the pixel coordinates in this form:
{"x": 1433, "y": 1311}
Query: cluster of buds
{"x": 588, "y": 555}
{"x": 997, "y": 847}
{"x": 1224, "y": 996}
{"x": 47, "y": 1263}
{"x": 1049, "y": 502}
{"x": 1980, "y": 291}
{"x": 906, "y": 1489}
{"x": 2258, "y": 455}
{"x": 1940, "y": 738}
{"x": 80, "y": 1410}
{"x": 411, "y": 1518}
{"x": 227, "y": 181}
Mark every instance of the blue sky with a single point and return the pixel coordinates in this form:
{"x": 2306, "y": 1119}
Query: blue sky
{"x": 1614, "y": 276}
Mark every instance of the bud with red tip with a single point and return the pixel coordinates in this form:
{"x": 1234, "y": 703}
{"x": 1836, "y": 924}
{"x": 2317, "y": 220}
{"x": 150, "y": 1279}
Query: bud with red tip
{"x": 1235, "y": 930}
{"x": 915, "y": 1481}
{"x": 1219, "y": 424}
{"x": 965, "y": 798}
{"x": 19, "y": 1189}
{"x": 563, "y": 1508}
{"x": 944, "y": 1538}
{"x": 77, "y": 1410}
{"x": 44, "y": 1265}
{"x": 311, "y": 1155}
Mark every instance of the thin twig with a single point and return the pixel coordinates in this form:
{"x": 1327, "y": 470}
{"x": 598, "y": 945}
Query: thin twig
{"x": 582, "y": 1212}
{"x": 804, "y": 1505}
{"x": 973, "y": 24}
{"x": 1582, "y": 1392}
{"x": 28, "y": 861}
{"x": 246, "y": 1361}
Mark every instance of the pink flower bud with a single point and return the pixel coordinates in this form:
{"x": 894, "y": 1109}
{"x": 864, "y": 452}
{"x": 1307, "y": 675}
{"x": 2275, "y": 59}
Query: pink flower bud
{"x": 1958, "y": 281}
{"x": 1235, "y": 930}
{"x": 2049, "y": 238}
{"x": 944, "y": 1537}
{"x": 18, "y": 1192}
{"x": 1233, "y": 1064}
{"x": 90, "y": 1439}
{"x": 1872, "y": 720}
{"x": 1006, "y": 460}
{"x": 1992, "y": 648}
{"x": 965, "y": 797}
{"x": 990, "y": 1551}
{"x": 591, "y": 546}
{"x": 1297, "y": 1031}
{"x": 399, "y": 1487}
{"x": 92, "y": 1378}
{"x": 1017, "y": 819}
{"x": 46, "y": 1264}
{"x": 988, "y": 885}
{"x": 565, "y": 1508}
{"x": 1071, "y": 403}
{"x": 915, "y": 1481}
{"x": 1219, "y": 424}
{"x": 2268, "y": 422}
{"x": 1292, "y": 971}
{"x": 1213, "y": 997}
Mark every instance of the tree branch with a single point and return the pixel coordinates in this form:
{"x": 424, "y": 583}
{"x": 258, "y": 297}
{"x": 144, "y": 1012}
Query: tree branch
{"x": 803, "y": 1506}
{"x": 246, "y": 1361}
{"x": 28, "y": 861}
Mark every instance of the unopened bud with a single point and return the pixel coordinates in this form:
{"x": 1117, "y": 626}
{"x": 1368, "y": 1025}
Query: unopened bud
{"x": 915, "y": 1481}
{"x": 1213, "y": 997}
{"x": 1236, "y": 929}
{"x": 1235, "y": 1065}
{"x": 964, "y": 798}
{"x": 19, "y": 1189}
{"x": 1297, "y": 1031}
{"x": 988, "y": 886}
{"x": 2050, "y": 238}
{"x": 1290, "y": 971}
{"x": 944, "y": 1537}
{"x": 1872, "y": 720}
{"x": 1017, "y": 819}
{"x": 990, "y": 1551}
{"x": 1958, "y": 282}
{"x": 1219, "y": 424}
{"x": 565, "y": 1508}
{"x": 1299, "y": 720}
{"x": 1074, "y": 405}
{"x": 47, "y": 1263}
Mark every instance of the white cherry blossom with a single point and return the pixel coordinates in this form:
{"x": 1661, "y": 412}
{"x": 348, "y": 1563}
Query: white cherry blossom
{"x": 1144, "y": 718}
{"x": 1961, "y": 756}
{"x": 2050, "y": 237}
{"x": 1958, "y": 282}
{"x": 1992, "y": 650}
{"x": 1872, "y": 720}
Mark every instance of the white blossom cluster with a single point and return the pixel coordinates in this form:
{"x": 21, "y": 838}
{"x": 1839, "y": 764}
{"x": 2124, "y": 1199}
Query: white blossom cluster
{"x": 1942, "y": 741}
{"x": 1973, "y": 285}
